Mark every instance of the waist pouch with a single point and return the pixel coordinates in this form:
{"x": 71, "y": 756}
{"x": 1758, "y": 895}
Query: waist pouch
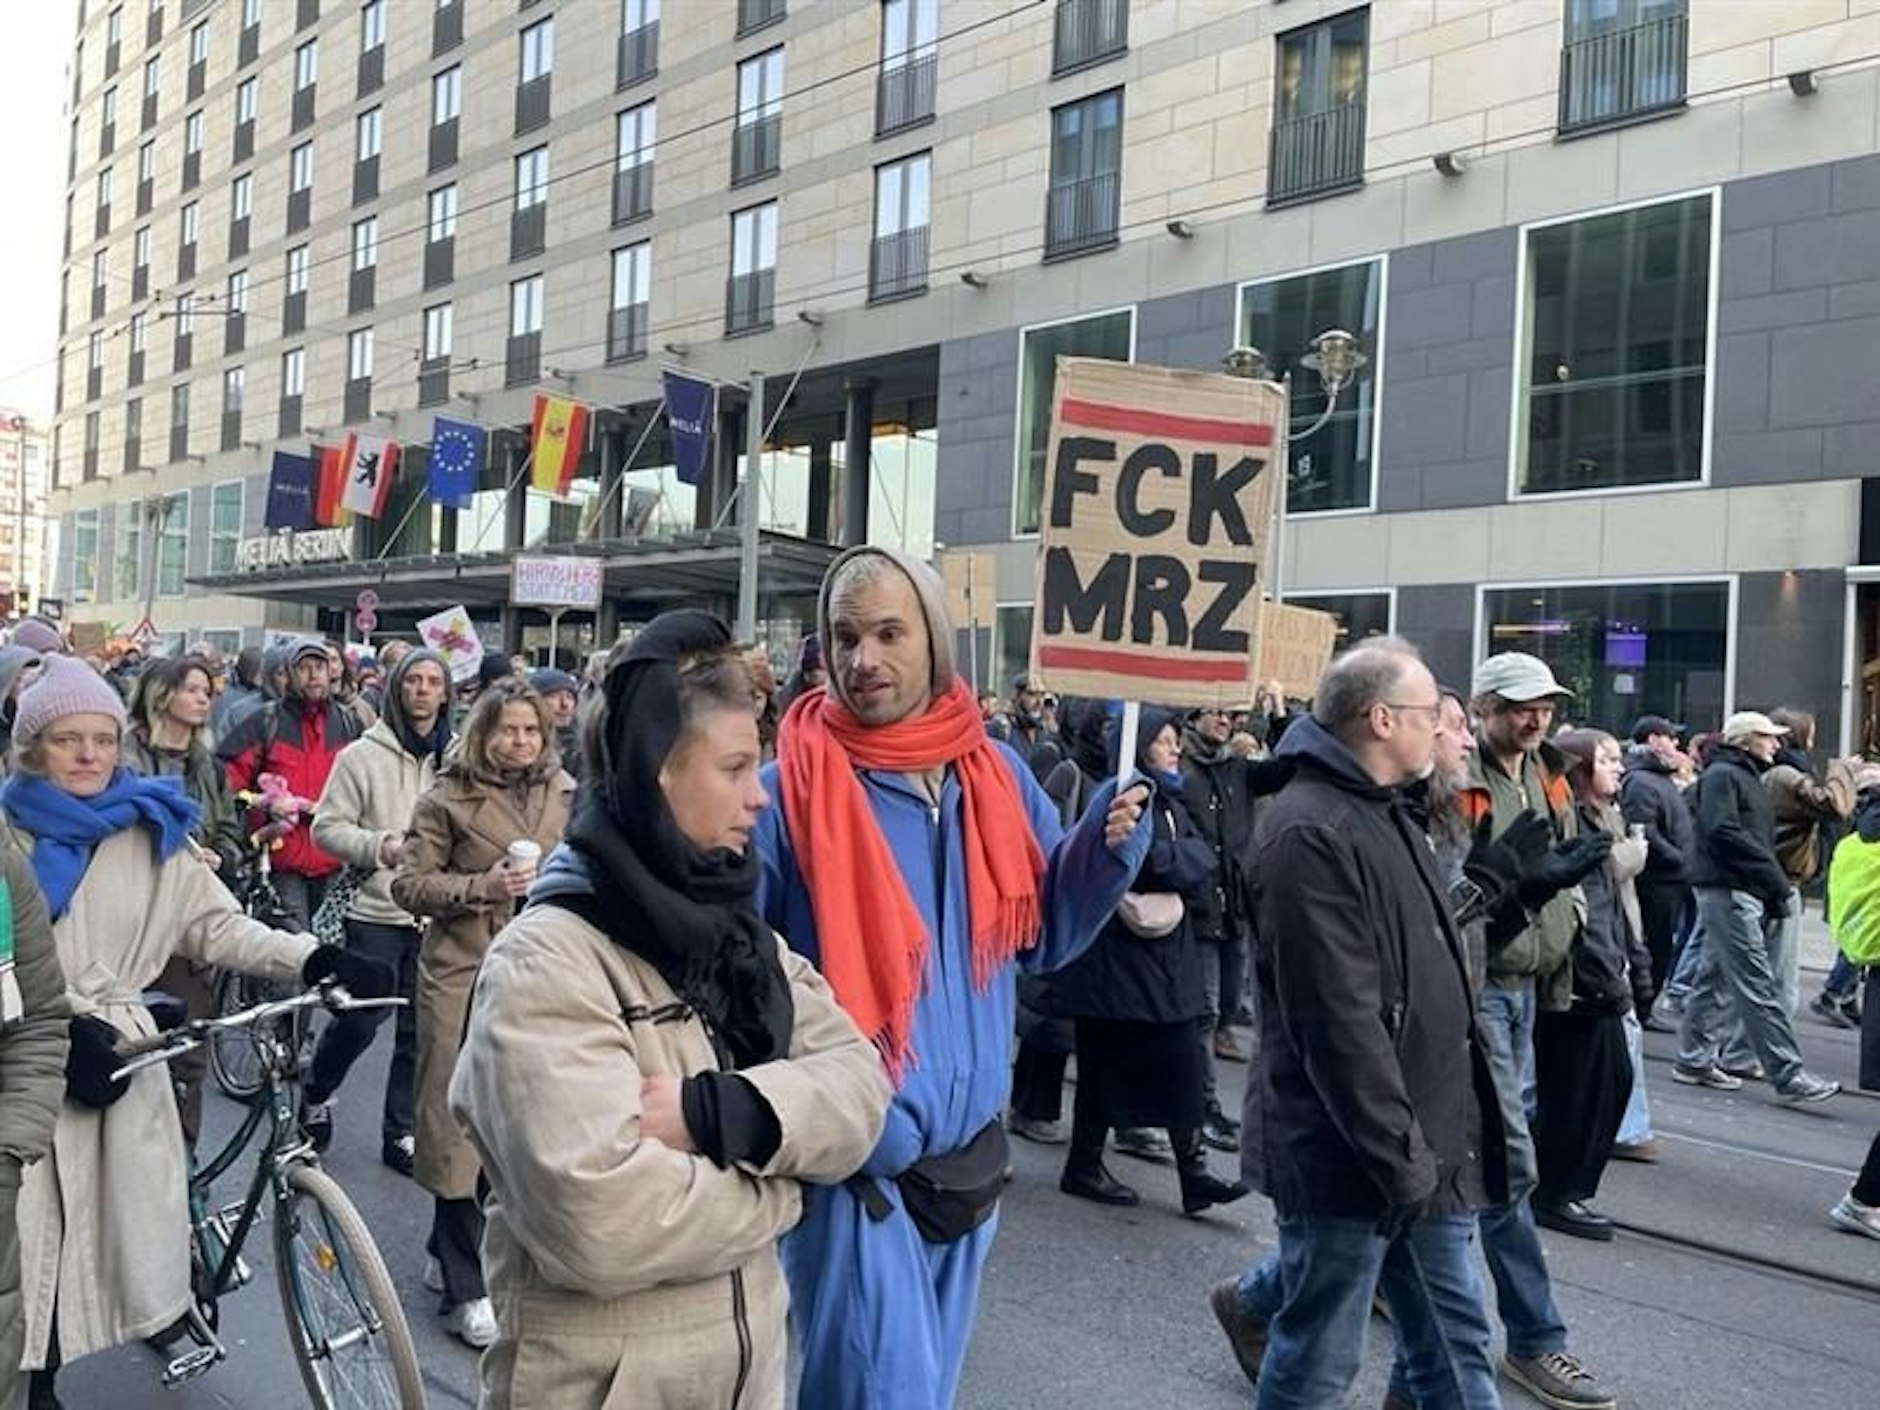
{"x": 947, "y": 1196}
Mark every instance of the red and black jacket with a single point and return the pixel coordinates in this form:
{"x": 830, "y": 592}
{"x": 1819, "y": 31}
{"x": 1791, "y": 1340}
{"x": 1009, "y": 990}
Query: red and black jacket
{"x": 285, "y": 737}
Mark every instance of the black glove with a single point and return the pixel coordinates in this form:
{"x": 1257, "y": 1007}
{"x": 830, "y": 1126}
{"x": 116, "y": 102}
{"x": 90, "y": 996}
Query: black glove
{"x": 1266, "y": 776}
{"x": 1397, "y": 1218}
{"x": 91, "y": 1061}
{"x": 1567, "y": 865}
{"x": 1497, "y": 865}
{"x": 364, "y": 978}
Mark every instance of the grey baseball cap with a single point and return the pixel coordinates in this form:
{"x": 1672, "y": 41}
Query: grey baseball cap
{"x": 1517, "y": 676}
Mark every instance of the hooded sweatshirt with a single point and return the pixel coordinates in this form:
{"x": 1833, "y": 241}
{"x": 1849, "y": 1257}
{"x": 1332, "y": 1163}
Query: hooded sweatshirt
{"x": 14, "y": 661}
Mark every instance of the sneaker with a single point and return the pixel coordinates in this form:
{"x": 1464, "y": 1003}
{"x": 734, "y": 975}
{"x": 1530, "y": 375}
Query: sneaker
{"x": 1751, "y": 1071}
{"x": 1145, "y": 1143}
{"x": 1218, "y": 1133}
{"x": 1855, "y": 1217}
{"x": 1558, "y": 1379}
{"x": 1044, "y": 1133}
{"x": 1246, "y": 1333}
{"x": 1227, "y": 1047}
{"x": 1645, "y": 1152}
{"x": 401, "y": 1154}
{"x": 1713, "y": 1077}
{"x": 1828, "y": 1009}
{"x": 1805, "y": 1089}
{"x": 473, "y": 1323}
{"x": 316, "y": 1119}
{"x": 433, "y": 1274}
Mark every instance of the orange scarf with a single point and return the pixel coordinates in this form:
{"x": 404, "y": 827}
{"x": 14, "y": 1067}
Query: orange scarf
{"x": 873, "y": 940}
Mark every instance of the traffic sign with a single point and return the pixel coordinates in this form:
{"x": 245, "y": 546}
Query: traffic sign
{"x": 367, "y": 601}
{"x": 366, "y": 621}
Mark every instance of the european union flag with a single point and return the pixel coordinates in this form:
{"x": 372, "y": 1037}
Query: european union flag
{"x": 456, "y": 461}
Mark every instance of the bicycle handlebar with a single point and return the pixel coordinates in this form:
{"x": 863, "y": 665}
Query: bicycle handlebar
{"x": 139, "y": 1053}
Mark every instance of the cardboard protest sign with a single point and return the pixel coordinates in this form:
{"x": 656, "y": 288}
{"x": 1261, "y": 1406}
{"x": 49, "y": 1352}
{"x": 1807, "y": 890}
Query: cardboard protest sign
{"x": 450, "y": 634}
{"x": 1295, "y": 647}
{"x": 1157, "y": 510}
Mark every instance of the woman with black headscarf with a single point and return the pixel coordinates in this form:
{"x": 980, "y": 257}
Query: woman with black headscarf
{"x": 1136, "y": 996}
{"x": 647, "y": 1072}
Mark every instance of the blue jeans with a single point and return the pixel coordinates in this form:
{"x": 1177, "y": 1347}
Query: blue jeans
{"x": 1690, "y": 960}
{"x": 1524, "y": 1294}
{"x": 1737, "y": 965}
{"x": 1843, "y": 980}
{"x": 1326, "y": 1271}
{"x": 1637, "y": 1123}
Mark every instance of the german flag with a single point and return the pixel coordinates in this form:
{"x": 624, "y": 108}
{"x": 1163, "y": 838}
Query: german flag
{"x": 329, "y": 486}
{"x": 557, "y": 439}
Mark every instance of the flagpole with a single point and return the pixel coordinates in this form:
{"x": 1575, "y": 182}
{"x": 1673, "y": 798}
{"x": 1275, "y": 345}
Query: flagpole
{"x": 627, "y": 464}
{"x": 751, "y": 496}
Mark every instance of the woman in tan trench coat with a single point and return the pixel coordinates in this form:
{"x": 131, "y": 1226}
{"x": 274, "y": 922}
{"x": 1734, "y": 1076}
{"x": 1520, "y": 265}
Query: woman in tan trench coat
{"x": 649, "y": 1073}
{"x": 505, "y": 785}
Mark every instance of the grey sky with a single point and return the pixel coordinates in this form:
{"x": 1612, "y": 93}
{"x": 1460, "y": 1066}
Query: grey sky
{"x": 33, "y": 139}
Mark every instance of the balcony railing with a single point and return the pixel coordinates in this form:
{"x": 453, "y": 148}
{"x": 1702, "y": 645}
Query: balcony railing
{"x": 756, "y": 149}
{"x": 528, "y": 231}
{"x": 288, "y": 416}
{"x": 755, "y": 14}
{"x": 443, "y": 145}
{"x": 302, "y": 109}
{"x": 904, "y": 94}
{"x": 749, "y": 300}
{"x": 446, "y": 27}
{"x": 633, "y": 193}
{"x": 522, "y": 362}
{"x": 434, "y": 381}
{"x": 1317, "y": 153}
{"x": 440, "y": 261}
{"x": 1081, "y": 215}
{"x": 897, "y": 264}
{"x": 356, "y": 401}
{"x": 638, "y": 57}
{"x": 533, "y": 101}
{"x": 1088, "y": 31}
{"x": 1628, "y": 73}
{"x": 626, "y": 331}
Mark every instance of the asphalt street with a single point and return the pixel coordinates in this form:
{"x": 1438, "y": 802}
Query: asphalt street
{"x": 1085, "y": 1306}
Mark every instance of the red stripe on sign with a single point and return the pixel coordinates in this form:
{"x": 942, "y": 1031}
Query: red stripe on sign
{"x": 1174, "y": 668}
{"x": 1100, "y": 416}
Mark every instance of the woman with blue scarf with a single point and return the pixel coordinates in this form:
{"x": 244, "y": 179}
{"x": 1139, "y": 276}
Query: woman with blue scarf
{"x": 104, "y": 1234}
{"x": 1137, "y": 998}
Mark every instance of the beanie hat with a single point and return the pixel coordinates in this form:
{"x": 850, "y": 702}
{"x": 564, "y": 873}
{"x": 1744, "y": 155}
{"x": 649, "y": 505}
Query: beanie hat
{"x": 37, "y": 634}
{"x": 65, "y": 687}
{"x": 928, "y": 589}
{"x": 492, "y": 668}
{"x": 809, "y": 653}
{"x": 548, "y": 680}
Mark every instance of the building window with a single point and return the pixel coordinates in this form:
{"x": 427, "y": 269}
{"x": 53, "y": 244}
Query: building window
{"x": 446, "y": 95}
{"x": 245, "y": 101}
{"x": 242, "y": 196}
{"x": 371, "y": 26}
{"x": 306, "y": 65}
{"x": 365, "y": 243}
{"x": 898, "y": 258}
{"x": 1360, "y": 614}
{"x": 1087, "y": 32}
{"x": 1622, "y": 648}
{"x": 294, "y": 372}
{"x": 251, "y": 13}
{"x": 153, "y": 78}
{"x": 179, "y": 421}
{"x": 755, "y": 14}
{"x": 756, "y": 143}
{"x": 532, "y": 178}
{"x": 1111, "y": 335}
{"x": 1334, "y": 467}
{"x": 437, "y": 332}
{"x": 146, "y": 163}
{"x": 359, "y": 354}
{"x": 140, "y": 247}
{"x": 190, "y": 223}
{"x": 173, "y": 546}
{"x": 441, "y": 213}
{"x": 199, "y": 44}
{"x": 238, "y": 292}
{"x": 1623, "y": 59}
{"x": 633, "y": 164}
{"x": 85, "y": 554}
{"x": 752, "y": 292}
{"x": 127, "y": 579}
{"x": 525, "y": 306}
{"x": 538, "y": 51}
{"x": 139, "y": 332}
{"x": 632, "y": 298}
{"x": 1011, "y": 643}
{"x": 297, "y": 270}
{"x": 300, "y": 168}
{"x": 638, "y": 58}
{"x": 904, "y": 94}
{"x": 1086, "y": 175}
{"x": 232, "y": 383}
{"x": 1318, "y": 109}
{"x": 1614, "y": 349}
{"x": 192, "y": 134}
{"x": 225, "y": 526}
{"x": 368, "y": 134}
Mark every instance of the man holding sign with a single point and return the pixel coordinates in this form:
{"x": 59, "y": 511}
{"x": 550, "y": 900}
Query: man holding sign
{"x": 915, "y": 861}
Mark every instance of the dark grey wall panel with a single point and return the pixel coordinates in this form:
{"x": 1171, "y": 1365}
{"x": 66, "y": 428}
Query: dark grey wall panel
{"x": 1439, "y": 620}
{"x": 1789, "y": 631}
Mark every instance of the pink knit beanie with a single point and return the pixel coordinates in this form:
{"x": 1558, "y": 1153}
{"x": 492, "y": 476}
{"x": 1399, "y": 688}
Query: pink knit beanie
{"x": 65, "y": 687}
{"x": 37, "y": 634}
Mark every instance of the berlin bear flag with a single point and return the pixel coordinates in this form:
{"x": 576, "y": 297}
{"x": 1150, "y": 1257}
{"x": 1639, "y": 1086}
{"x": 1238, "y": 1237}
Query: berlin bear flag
{"x": 1158, "y": 508}
{"x": 369, "y": 463}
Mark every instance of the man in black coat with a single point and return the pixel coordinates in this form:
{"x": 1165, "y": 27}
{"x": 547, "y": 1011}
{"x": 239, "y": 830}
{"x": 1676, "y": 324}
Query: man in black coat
{"x": 1742, "y": 896}
{"x": 1650, "y": 798}
{"x": 1371, "y": 1120}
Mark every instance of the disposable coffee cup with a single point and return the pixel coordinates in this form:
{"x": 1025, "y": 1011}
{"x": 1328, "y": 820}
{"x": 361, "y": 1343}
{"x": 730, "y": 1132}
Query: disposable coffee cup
{"x": 524, "y": 854}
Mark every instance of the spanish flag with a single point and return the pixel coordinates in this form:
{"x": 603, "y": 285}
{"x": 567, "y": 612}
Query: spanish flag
{"x": 556, "y": 441}
{"x": 329, "y": 486}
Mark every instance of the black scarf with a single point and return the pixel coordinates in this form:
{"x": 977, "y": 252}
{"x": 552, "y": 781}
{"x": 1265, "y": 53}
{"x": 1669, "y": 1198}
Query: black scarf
{"x": 392, "y": 709}
{"x": 689, "y": 914}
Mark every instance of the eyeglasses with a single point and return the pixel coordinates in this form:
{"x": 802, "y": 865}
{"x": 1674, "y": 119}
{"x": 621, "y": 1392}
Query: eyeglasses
{"x": 1432, "y": 713}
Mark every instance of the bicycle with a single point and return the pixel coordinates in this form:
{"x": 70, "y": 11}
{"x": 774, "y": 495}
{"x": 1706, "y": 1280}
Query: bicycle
{"x": 234, "y": 1057}
{"x": 349, "y": 1333}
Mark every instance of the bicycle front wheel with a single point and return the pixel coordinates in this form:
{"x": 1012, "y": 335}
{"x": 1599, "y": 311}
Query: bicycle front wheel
{"x": 343, "y": 1316}
{"x": 234, "y": 1057}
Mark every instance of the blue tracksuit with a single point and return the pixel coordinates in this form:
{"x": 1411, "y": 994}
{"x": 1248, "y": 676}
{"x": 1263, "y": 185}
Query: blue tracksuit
{"x": 882, "y": 1318}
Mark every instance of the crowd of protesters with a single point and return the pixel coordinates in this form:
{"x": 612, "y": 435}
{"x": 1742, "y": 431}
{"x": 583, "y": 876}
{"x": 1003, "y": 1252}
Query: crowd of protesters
{"x": 724, "y": 994}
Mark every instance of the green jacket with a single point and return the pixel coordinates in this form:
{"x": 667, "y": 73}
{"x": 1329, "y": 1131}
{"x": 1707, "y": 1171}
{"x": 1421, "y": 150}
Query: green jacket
{"x": 203, "y": 780}
{"x": 1540, "y": 951}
